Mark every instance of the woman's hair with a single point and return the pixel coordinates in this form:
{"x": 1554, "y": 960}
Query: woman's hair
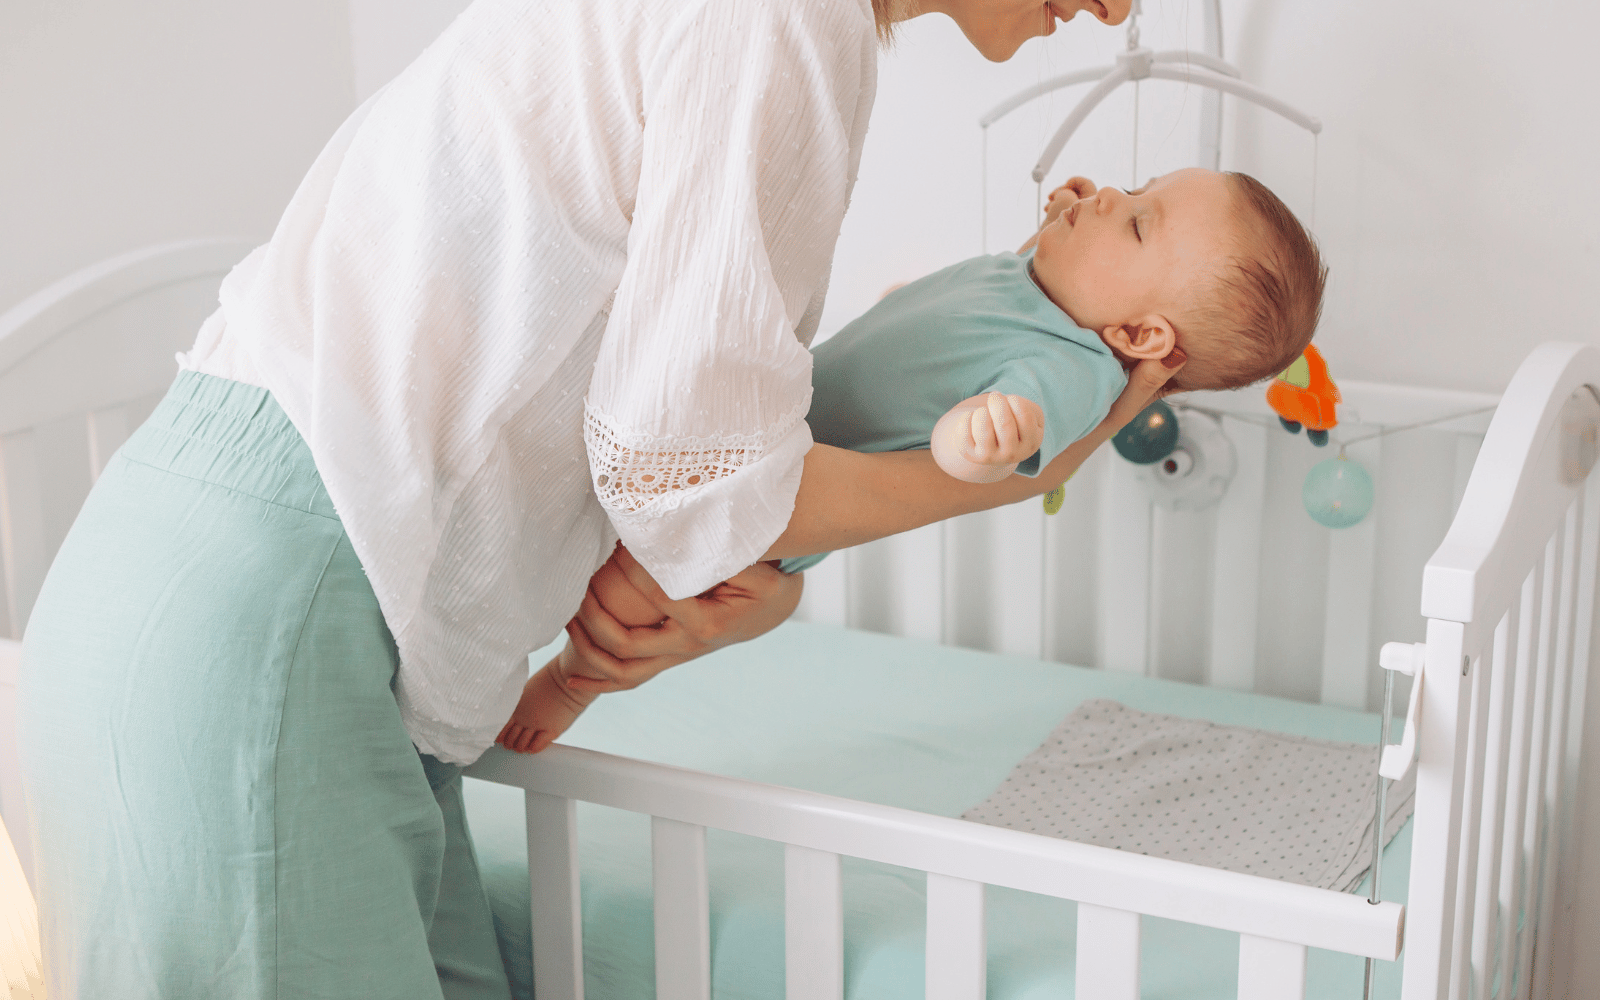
{"x": 1264, "y": 305}
{"x": 886, "y": 12}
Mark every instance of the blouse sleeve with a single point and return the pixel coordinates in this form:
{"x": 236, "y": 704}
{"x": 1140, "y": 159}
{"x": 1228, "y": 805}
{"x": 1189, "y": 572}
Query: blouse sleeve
{"x": 753, "y": 117}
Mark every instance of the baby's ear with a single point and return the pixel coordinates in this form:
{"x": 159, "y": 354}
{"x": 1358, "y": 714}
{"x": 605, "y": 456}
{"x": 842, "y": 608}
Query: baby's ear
{"x": 1149, "y": 337}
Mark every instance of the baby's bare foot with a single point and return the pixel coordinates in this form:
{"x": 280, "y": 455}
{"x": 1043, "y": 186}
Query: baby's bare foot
{"x": 546, "y": 709}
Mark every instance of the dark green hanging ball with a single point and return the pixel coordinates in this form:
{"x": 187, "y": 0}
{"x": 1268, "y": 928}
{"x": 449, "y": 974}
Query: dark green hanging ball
{"x": 1150, "y": 436}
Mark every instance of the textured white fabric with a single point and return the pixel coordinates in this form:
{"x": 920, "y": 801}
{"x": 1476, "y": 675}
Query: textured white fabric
{"x": 559, "y": 200}
{"x": 1284, "y": 807}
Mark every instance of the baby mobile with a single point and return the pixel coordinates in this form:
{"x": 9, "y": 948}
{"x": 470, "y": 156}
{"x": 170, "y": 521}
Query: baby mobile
{"x": 1337, "y": 493}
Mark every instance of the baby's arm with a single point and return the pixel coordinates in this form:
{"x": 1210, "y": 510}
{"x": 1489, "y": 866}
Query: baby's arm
{"x": 981, "y": 439}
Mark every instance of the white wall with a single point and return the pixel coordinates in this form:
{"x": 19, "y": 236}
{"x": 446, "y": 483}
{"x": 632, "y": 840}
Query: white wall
{"x": 385, "y": 35}
{"x": 123, "y": 124}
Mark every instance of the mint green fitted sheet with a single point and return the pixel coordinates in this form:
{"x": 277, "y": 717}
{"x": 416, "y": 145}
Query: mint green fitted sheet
{"x": 900, "y": 722}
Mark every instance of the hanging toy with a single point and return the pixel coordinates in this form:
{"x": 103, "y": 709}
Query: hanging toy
{"x": 1305, "y": 396}
{"x": 1338, "y": 492}
{"x": 1055, "y": 498}
{"x": 1150, "y": 436}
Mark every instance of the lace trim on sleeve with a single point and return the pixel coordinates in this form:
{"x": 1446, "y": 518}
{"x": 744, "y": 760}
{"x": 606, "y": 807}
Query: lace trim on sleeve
{"x": 639, "y": 475}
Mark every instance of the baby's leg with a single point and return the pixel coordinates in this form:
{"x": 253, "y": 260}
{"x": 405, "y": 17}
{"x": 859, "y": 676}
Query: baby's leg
{"x": 547, "y": 708}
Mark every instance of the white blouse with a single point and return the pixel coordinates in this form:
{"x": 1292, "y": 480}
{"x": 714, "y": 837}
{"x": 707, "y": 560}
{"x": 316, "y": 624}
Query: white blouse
{"x": 563, "y": 269}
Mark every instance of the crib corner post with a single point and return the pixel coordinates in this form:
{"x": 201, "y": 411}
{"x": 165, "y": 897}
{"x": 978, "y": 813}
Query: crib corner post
{"x": 1436, "y": 851}
{"x": 556, "y": 906}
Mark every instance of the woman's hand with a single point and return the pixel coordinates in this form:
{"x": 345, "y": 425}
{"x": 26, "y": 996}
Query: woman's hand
{"x": 748, "y": 604}
{"x": 1146, "y": 383}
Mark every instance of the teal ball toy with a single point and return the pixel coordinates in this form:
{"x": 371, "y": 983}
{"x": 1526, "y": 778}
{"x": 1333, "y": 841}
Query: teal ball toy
{"x": 1149, "y": 437}
{"x": 1337, "y": 493}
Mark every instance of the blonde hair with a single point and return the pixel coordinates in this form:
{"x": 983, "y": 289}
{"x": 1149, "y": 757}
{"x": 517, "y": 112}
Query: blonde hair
{"x": 886, "y": 13}
{"x": 1264, "y": 305}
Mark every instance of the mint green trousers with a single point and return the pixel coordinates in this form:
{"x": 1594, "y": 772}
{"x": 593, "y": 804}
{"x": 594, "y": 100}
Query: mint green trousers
{"x": 223, "y": 800}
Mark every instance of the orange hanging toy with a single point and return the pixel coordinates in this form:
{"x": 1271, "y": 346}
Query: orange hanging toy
{"x": 1304, "y": 395}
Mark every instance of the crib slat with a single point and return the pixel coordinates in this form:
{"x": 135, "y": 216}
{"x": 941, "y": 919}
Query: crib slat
{"x": 1518, "y": 777}
{"x": 1107, "y": 953}
{"x": 108, "y": 429}
{"x": 1122, "y": 622}
{"x": 1347, "y": 616}
{"x": 1271, "y": 970}
{"x": 813, "y": 924}
{"x": 1532, "y": 834}
{"x": 1486, "y": 913}
{"x": 920, "y": 560}
{"x": 1471, "y": 824}
{"x": 557, "y": 909}
{"x": 957, "y": 950}
{"x": 1017, "y": 568}
{"x": 1437, "y": 818}
{"x": 23, "y": 556}
{"x": 1236, "y": 578}
{"x": 825, "y": 597}
{"x": 682, "y": 910}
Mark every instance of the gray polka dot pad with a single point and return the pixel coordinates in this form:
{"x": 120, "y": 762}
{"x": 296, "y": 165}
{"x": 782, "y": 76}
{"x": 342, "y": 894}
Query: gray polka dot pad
{"x": 1283, "y": 807}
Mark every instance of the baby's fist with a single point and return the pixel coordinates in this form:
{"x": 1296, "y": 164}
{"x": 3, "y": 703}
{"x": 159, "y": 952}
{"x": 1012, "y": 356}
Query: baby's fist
{"x": 1004, "y": 430}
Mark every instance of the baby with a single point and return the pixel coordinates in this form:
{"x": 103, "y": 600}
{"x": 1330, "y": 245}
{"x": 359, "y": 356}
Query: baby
{"x": 999, "y": 363}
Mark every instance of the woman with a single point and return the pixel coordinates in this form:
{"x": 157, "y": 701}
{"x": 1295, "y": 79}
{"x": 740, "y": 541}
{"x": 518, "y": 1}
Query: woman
{"x": 550, "y": 287}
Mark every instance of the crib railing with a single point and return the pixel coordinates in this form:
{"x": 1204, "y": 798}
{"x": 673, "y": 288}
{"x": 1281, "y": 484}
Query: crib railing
{"x": 1249, "y": 595}
{"x": 1510, "y": 598}
{"x": 1277, "y": 921}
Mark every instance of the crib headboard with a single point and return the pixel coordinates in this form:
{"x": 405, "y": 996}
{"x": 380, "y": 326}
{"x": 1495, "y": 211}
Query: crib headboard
{"x": 1250, "y": 594}
{"x": 82, "y": 363}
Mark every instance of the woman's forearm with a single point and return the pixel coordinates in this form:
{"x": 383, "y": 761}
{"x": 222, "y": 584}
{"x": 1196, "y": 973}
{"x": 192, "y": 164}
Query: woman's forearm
{"x": 847, "y": 498}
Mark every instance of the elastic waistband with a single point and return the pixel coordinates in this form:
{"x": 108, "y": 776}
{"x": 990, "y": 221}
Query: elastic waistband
{"x": 234, "y": 436}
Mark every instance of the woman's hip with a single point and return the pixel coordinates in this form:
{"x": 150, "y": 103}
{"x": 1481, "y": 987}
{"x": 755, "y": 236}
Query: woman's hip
{"x": 216, "y": 767}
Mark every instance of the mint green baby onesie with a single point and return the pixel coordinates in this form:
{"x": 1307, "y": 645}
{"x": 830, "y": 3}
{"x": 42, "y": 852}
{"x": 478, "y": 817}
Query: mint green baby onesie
{"x": 982, "y": 325}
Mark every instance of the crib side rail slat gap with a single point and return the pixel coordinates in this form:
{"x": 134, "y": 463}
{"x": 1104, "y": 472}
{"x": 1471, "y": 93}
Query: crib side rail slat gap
{"x": 813, "y": 924}
{"x": 22, "y": 529}
{"x": 682, "y": 910}
{"x": 1347, "y": 613}
{"x": 957, "y": 951}
{"x": 557, "y": 908}
{"x": 1271, "y": 970}
{"x": 1107, "y": 953}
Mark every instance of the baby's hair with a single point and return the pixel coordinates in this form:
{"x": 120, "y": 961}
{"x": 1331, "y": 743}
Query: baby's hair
{"x": 1264, "y": 305}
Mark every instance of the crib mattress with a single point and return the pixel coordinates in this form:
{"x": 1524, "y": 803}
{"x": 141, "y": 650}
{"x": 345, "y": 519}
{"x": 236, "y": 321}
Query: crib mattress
{"x": 894, "y": 721}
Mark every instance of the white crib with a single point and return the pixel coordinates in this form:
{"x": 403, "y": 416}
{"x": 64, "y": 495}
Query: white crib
{"x": 1228, "y": 597}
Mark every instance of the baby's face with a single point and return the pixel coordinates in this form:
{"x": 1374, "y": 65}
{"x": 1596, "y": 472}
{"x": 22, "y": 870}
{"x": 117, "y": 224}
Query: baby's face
{"x": 1116, "y": 257}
